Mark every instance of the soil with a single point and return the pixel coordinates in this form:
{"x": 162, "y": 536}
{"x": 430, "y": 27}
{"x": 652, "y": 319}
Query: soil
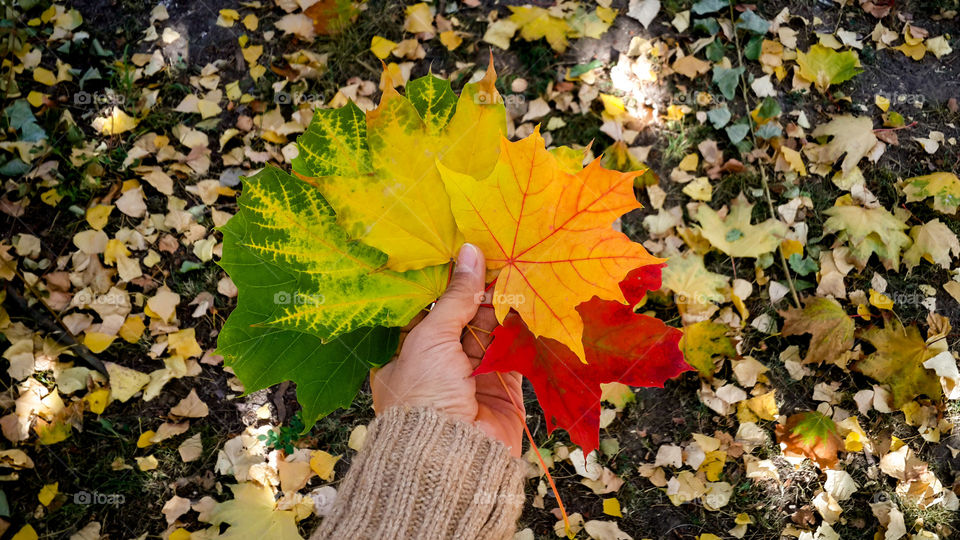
{"x": 660, "y": 416}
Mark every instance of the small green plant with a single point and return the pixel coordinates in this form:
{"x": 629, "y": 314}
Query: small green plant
{"x": 283, "y": 437}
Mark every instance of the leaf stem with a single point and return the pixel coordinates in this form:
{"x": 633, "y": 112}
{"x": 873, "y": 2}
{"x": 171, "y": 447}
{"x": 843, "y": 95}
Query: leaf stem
{"x": 763, "y": 171}
{"x": 533, "y": 444}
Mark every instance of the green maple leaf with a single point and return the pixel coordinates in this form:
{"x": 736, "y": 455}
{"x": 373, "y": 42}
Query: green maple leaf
{"x": 309, "y": 295}
{"x": 824, "y": 67}
{"x": 328, "y": 375}
{"x": 285, "y": 237}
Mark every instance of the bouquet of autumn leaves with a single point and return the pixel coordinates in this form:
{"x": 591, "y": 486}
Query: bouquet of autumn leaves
{"x": 331, "y": 261}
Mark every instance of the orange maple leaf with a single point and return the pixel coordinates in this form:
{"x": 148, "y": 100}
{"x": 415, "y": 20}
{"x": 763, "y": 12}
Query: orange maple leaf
{"x": 547, "y": 235}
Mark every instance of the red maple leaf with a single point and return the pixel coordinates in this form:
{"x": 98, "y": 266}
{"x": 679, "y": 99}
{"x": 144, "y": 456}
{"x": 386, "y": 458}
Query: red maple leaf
{"x": 620, "y": 346}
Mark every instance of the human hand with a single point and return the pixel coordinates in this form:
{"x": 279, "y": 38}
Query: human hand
{"x": 439, "y": 355}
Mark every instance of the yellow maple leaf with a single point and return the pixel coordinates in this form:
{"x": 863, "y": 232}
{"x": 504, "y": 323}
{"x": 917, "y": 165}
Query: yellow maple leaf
{"x": 252, "y": 513}
{"x": 898, "y": 362}
{"x": 852, "y": 136}
{"x": 734, "y": 235}
{"x": 695, "y": 288}
{"x": 868, "y": 231}
{"x": 547, "y": 233}
{"x": 537, "y": 22}
{"x": 387, "y": 189}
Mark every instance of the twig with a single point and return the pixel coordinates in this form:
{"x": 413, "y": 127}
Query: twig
{"x": 57, "y": 329}
{"x": 763, "y": 171}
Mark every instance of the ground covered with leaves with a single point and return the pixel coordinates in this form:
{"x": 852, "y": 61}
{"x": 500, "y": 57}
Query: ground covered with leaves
{"x": 800, "y": 177}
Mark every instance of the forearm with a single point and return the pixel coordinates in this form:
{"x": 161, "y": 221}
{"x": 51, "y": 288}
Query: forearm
{"x": 423, "y": 475}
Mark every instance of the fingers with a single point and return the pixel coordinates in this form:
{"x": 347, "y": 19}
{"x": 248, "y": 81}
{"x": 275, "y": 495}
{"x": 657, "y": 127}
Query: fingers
{"x": 460, "y": 301}
{"x": 477, "y": 337}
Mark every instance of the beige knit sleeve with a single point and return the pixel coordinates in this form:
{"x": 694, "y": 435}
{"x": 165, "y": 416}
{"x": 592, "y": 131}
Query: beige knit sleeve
{"x": 423, "y": 475}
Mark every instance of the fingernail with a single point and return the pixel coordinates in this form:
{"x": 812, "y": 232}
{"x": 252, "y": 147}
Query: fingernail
{"x": 467, "y": 259}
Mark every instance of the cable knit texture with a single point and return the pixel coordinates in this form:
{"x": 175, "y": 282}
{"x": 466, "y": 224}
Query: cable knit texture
{"x": 422, "y": 475}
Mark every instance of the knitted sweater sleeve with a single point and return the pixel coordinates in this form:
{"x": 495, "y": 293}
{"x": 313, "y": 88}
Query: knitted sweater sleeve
{"x": 425, "y": 476}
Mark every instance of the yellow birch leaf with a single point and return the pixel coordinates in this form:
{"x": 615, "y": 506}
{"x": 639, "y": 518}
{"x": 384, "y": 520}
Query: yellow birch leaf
{"x": 44, "y": 76}
{"x": 97, "y": 342}
{"x": 47, "y": 493}
{"x": 381, "y": 47}
{"x": 611, "y": 507}
{"x": 97, "y": 400}
{"x": 98, "y": 215}
{"x": 322, "y": 464}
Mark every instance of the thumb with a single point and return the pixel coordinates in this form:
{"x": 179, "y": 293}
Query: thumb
{"x": 459, "y": 303}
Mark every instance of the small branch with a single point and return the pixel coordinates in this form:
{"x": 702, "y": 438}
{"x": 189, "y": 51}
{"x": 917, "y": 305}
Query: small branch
{"x": 55, "y": 329}
{"x": 763, "y": 171}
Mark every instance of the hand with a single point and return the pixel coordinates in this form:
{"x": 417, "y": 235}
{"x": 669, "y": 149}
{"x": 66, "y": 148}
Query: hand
{"x": 439, "y": 355}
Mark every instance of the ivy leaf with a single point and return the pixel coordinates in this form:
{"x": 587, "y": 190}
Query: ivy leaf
{"x": 719, "y": 116}
{"x": 285, "y": 248}
{"x": 708, "y": 6}
{"x": 811, "y": 435}
{"x": 736, "y": 132}
{"x": 803, "y": 266}
{"x": 620, "y": 346}
{"x": 944, "y": 187}
{"x": 868, "y": 231}
{"x": 824, "y": 66}
{"x": 734, "y": 235}
{"x": 727, "y": 80}
{"x": 379, "y": 172}
{"x": 547, "y": 235}
{"x": 829, "y": 326}
{"x": 752, "y": 22}
{"x": 898, "y": 362}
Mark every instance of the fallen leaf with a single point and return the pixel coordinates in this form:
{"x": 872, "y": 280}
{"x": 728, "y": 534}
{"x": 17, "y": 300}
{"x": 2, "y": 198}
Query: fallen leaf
{"x": 852, "y": 136}
{"x": 944, "y": 187}
{"x": 811, "y": 435}
{"x": 830, "y": 328}
{"x": 868, "y": 231}
{"x": 825, "y": 67}
{"x": 734, "y": 235}
{"x": 253, "y": 513}
{"x": 898, "y": 362}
